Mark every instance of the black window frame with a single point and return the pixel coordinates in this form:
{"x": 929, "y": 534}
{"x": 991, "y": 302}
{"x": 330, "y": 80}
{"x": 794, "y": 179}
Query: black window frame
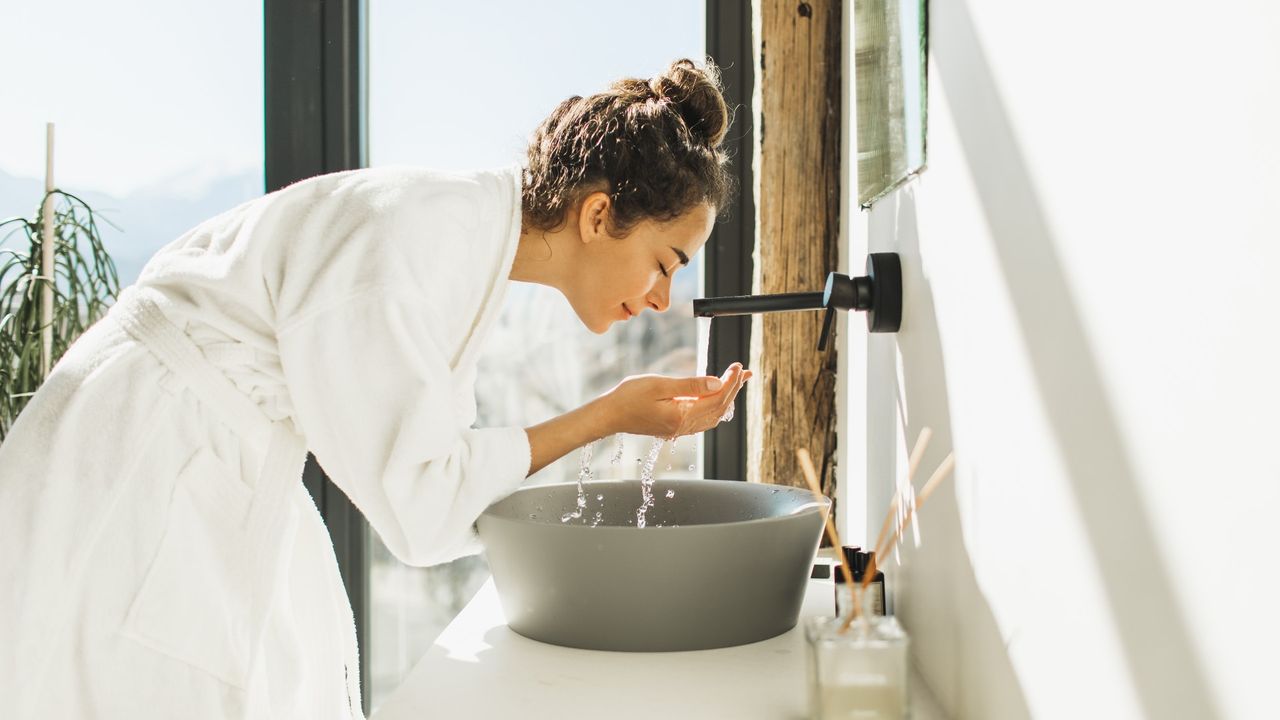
{"x": 316, "y": 111}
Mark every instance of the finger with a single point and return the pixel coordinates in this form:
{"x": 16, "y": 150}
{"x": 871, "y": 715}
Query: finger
{"x": 705, "y": 412}
{"x": 730, "y": 372}
{"x": 703, "y": 387}
{"x": 732, "y": 394}
{"x": 710, "y": 408}
{"x": 692, "y": 387}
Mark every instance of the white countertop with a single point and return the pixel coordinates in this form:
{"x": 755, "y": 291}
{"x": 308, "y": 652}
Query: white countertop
{"x": 479, "y": 668}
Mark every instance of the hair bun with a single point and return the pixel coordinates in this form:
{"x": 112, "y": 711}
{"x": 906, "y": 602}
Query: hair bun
{"x": 696, "y": 93}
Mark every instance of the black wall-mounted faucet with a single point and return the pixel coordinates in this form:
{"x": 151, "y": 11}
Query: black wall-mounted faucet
{"x": 879, "y": 293}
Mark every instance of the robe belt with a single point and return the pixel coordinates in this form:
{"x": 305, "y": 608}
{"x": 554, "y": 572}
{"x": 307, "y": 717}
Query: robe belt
{"x": 138, "y": 312}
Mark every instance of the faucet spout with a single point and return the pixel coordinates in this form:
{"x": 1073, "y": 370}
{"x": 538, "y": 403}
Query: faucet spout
{"x": 753, "y": 304}
{"x": 878, "y": 293}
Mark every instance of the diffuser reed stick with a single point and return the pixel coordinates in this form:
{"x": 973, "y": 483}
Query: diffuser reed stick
{"x": 891, "y": 543}
{"x": 811, "y": 477}
{"x": 948, "y": 464}
{"x": 895, "y": 506}
{"x": 938, "y": 476}
{"x": 896, "y": 511}
{"x": 909, "y": 498}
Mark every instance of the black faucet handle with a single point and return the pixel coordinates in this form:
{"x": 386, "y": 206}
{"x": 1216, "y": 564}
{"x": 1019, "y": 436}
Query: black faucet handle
{"x": 828, "y": 319}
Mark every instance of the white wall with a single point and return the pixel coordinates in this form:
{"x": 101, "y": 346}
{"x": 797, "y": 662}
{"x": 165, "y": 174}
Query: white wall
{"x": 1091, "y": 323}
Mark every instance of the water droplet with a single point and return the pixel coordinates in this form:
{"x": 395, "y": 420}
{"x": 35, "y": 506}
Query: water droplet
{"x": 690, "y": 468}
{"x": 600, "y": 497}
{"x": 671, "y": 493}
{"x": 668, "y": 467}
{"x": 773, "y": 491}
{"x": 533, "y": 516}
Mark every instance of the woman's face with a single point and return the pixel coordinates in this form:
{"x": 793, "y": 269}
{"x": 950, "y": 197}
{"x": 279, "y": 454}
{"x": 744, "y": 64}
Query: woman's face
{"x": 615, "y": 278}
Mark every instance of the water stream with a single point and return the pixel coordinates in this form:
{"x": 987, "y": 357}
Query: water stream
{"x": 584, "y": 476}
{"x": 703, "y": 336}
{"x": 646, "y": 480}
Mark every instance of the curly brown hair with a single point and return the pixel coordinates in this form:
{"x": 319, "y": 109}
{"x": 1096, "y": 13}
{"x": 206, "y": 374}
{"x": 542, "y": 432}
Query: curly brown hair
{"x": 652, "y": 145}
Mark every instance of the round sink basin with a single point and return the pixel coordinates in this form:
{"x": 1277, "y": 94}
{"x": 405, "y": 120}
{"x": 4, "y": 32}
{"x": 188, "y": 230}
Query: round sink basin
{"x": 718, "y": 563}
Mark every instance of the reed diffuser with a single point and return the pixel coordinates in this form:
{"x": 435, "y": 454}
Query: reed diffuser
{"x": 857, "y": 660}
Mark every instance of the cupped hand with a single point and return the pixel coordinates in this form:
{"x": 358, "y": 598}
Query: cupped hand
{"x": 669, "y": 407}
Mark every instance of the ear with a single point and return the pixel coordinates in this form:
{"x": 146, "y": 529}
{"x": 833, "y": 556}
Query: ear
{"x": 593, "y": 216}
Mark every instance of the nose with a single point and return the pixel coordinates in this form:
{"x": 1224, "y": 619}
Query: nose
{"x": 659, "y": 298}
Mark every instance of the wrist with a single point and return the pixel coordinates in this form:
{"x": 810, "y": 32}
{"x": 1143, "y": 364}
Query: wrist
{"x": 601, "y": 417}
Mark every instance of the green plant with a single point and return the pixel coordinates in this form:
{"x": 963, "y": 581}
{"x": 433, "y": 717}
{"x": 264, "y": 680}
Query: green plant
{"x": 84, "y": 285}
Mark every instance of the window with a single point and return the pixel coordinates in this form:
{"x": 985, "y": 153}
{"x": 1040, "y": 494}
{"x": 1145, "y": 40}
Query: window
{"x": 148, "y": 131}
{"x": 459, "y": 86}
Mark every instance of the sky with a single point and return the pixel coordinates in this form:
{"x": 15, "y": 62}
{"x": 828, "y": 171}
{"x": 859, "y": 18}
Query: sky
{"x": 168, "y": 93}
{"x": 158, "y": 104}
{"x": 461, "y": 85}
{"x": 143, "y": 92}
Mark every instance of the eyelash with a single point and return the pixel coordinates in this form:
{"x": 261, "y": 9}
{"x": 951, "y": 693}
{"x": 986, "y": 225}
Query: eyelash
{"x": 663, "y": 270}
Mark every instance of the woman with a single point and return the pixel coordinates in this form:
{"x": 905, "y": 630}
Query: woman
{"x": 159, "y": 556}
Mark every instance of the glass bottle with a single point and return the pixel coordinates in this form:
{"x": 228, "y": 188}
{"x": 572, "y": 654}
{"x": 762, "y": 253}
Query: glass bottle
{"x": 859, "y": 673}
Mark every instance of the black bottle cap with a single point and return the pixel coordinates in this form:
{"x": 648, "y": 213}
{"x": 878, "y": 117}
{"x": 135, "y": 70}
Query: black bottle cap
{"x": 858, "y": 562}
{"x": 865, "y": 560}
{"x": 851, "y": 553}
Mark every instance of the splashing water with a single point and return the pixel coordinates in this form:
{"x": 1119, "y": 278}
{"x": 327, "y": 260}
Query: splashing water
{"x": 728, "y": 414}
{"x": 671, "y": 494}
{"x": 617, "y": 451}
{"x": 646, "y": 481}
{"x": 584, "y": 475}
{"x": 599, "y": 513}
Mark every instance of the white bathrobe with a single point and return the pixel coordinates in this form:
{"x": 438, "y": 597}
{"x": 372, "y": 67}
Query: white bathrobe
{"x": 159, "y": 555}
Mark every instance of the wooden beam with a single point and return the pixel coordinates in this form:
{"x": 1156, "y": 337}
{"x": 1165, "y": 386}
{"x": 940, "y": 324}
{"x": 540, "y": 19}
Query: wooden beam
{"x": 791, "y": 401}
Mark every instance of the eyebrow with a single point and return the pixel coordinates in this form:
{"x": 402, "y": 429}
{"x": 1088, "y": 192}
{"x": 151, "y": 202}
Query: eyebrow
{"x": 684, "y": 259}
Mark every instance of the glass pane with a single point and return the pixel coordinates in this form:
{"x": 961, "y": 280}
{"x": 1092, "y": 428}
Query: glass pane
{"x": 460, "y": 86}
{"x": 889, "y": 47}
{"x": 148, "y": 131}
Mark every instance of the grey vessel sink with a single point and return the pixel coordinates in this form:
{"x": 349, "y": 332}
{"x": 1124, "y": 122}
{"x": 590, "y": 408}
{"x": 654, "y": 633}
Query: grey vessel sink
{"x": 721, "y": 563}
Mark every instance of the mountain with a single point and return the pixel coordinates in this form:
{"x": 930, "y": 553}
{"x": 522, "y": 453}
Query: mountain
{"x": 147, "y": 219}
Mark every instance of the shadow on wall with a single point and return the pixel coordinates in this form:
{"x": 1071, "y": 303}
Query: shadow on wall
{"x": 1163, "y": 667}
{"x": 958, "y": 644}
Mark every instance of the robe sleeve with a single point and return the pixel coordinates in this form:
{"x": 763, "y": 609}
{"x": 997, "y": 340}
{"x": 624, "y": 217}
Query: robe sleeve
{"x": 374, "y": 397}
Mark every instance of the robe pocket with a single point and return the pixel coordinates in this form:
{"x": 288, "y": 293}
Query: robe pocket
{"x": 195, "y": 600}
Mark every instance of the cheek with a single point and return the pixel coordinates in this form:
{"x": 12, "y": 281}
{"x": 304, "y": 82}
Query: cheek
{"x": 619, "y": 284}
{"x": 608, "y": 280}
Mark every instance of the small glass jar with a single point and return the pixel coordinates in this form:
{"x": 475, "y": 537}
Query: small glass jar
{"x": 860, "y": 673}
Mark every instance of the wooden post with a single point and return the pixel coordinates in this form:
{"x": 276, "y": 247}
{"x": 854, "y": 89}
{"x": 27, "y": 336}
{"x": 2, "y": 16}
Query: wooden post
{"x": 791, "y": 401}
{"x": 47, "y": 269}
